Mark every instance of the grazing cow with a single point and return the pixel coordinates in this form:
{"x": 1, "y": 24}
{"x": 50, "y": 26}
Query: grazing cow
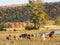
{"x": 14, "y": 37}
{"x": 43, "y": 36}
{"x": 32, "y": 35}
{"x": 7, "y": 38}
{"x": 23, "y": 36}
{"x": 9, "y": 35}
{"x": 51, "y": 34}
{"x": 26, "y": 36}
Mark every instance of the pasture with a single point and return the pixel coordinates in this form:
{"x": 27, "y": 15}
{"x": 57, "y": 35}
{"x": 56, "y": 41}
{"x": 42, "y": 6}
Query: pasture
{"x": 33, "y": 41}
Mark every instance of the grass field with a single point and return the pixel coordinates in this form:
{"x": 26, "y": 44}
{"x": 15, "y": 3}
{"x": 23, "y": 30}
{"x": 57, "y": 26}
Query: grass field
{"x": 33, "y": 41}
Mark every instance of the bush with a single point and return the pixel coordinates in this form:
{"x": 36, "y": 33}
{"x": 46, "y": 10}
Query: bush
{"x": 4, "y": 30}
{"x": 1, "y": 29}
{"x": 30, "y": 28}
{"x": 57, "y": 21}
{"x": 14, "y": 30}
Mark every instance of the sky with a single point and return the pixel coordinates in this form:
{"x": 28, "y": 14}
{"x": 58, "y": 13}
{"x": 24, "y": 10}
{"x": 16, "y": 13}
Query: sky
{"x": 8, "y": 2}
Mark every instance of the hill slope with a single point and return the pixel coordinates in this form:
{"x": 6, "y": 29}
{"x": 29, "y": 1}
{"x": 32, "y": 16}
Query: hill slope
{"x": 19, "y": 12}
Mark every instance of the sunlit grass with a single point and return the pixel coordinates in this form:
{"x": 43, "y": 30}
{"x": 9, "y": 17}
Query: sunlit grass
{"x": 33, "y": 41}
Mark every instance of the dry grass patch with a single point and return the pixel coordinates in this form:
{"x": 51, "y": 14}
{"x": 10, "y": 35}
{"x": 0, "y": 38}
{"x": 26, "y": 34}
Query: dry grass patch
{"x": 33, "y": 41}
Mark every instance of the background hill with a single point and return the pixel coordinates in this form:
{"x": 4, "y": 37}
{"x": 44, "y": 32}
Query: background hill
{"x": 19, "y": 12}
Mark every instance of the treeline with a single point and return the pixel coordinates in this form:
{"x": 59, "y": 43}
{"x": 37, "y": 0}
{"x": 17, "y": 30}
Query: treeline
{"x": 18, "y": 13}
{"x": 53, "y": 9}
{"x": 22, "y": 13}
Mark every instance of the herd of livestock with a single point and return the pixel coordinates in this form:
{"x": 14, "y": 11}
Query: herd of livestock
{"x": 29, "y": 36}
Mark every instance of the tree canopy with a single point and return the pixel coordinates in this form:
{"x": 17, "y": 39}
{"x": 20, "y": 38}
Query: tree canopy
{"x": 38, "y": 15}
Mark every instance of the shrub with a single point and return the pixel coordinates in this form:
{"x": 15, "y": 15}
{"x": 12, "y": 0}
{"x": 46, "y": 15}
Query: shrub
{"x": 30, "y": 28}
{"x": 14, "y": 30}
{"x": 2, "y": 29}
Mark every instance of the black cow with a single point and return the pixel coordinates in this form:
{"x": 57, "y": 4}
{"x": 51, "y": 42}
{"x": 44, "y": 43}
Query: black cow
{"x": 23, "y": 36}
{"x": 28, "y": 36}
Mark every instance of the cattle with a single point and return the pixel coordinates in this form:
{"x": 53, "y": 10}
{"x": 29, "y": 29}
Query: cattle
{"x": 7, "y": 38}
{"x": 51, "y": 34}
{"x": 32, "y": 35}
{"x": 43, "y": 36}
{"x": 23, "y": 36}
{"x": 14, "y": 37}
{"x": 9, "y": 35}
{"x": 26, "y": 36}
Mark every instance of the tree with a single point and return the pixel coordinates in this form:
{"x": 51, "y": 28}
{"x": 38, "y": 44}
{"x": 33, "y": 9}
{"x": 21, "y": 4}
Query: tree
{"x": 57, "y": 20}
{"x": 0, "y": 16}
{"x": 38, "y": 15}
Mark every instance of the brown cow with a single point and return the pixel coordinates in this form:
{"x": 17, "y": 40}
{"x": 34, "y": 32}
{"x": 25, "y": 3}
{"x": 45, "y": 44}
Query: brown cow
{"x": 32, "y": 35}
{"x": 9, "y": 35}
{"x": 28, "y": 36}
{"x": 14, "y": 37}
{"x": 7, "y": 38}
{"x": 51, "y": 34}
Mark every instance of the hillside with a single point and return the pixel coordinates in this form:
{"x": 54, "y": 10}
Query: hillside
{"x": 53, "y": 9}
{"x": 19, "y": 12}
